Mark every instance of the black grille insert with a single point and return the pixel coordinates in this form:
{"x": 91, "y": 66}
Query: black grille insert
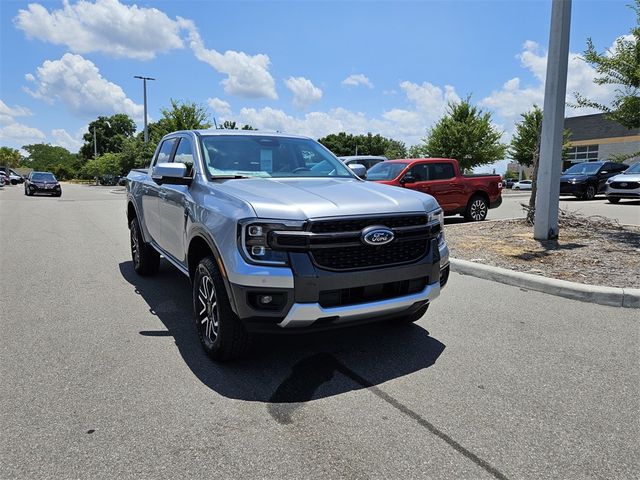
{"x": 371, "y": 293}
{"x": 357, "y": 224}
{"x": 364, "y": 256}
{"x": 627, "y": 185}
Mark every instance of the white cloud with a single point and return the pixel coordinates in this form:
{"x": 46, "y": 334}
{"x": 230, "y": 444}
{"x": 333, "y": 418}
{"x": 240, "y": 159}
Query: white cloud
{"x": 356, "y": 80}
{"x": 219, "y": 106}
{"x": 304, "y": 91}
{"x": 63, "y": 139}
{"x": 78, "y": 84}
{"x": 428, "y": 98}
{"x": 247, "y": 75}
{"x": 17, "y": 134}
{"x": 514, "y": 98}
{"x": 9, "y": 113}
{"x": 105, "y": 26}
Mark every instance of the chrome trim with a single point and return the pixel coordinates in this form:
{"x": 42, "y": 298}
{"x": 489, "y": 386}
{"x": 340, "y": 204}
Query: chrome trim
{"x": 305, "y": 314}
{"x": 246, "y": 274}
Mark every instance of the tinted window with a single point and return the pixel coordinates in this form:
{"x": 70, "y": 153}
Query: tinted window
{"x": 440, "y": 171}
{"x": 420, "y": 172}
{"x": 43, "y": 177}
{"x": 164, "y": 155}
{"x": 584, "y": 168}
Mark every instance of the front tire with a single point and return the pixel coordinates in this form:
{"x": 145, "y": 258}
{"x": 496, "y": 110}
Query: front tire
{"x": 477, "y": 209}
{"x": 590, "y": 192}
{"x": 146, "y": 259}
{"x": 221, "y": 333}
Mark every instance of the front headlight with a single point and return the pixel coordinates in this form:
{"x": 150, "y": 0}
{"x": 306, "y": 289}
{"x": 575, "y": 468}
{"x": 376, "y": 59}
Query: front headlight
{"x": 609, "y": 180}
{"x": 255, "y": 244}
{"x": 439, "y": 216}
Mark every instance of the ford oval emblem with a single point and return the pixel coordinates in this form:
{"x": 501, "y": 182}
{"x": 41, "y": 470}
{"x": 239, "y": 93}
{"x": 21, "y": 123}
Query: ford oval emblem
{"x": 377, "y": 235}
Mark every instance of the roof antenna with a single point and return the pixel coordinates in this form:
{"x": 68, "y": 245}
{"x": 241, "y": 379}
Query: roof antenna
{"x": 215, "y": 123}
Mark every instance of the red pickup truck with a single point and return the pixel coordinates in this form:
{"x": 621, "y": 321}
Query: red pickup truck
{"x": 469, "y": 195}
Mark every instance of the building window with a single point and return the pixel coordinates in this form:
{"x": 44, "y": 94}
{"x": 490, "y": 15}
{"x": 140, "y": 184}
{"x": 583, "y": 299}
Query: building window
{"x": 583, "y": 153}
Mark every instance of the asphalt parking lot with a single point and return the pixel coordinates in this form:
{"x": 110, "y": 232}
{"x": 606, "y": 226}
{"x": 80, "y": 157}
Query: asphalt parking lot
{"x": 103, "y": 377}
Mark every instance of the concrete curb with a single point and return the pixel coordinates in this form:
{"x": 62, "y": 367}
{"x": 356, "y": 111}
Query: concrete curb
{"x": 612, "y": 296}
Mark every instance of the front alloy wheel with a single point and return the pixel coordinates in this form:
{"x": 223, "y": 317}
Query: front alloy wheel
{"x": 208, "y": 316}
{"x": 590, "y": 192}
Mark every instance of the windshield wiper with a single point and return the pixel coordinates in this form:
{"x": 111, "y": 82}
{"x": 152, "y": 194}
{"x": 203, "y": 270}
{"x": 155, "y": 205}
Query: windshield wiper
{"x": 228, "y": 177}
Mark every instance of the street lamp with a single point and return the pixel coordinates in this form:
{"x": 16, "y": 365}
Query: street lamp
{"x": 144, "y": 83}
{"x": 95, "y": 139}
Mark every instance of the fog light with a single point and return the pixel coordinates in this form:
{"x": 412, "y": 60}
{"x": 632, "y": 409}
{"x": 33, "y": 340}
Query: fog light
{"x": 257, "y": 251}
{"x": 265, "y": 299}
{"x": 255, "y": 231}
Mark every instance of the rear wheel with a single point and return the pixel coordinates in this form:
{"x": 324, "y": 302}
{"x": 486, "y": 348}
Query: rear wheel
{"x": 221, "y": 333}
{"x": 146, "y": 259}
{"x": 477, "y": 209}
{"x": 613, "y": 199}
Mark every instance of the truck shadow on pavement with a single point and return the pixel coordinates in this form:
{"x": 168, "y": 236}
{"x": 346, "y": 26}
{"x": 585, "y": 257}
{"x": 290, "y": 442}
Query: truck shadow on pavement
{"x": 284, "y": 370}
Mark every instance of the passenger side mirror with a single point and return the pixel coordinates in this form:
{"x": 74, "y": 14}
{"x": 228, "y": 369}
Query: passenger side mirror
{"x": 604, "y": 172}
{"x": 408, "y": 178}
{"x": 359, "y": 170}
{"x": 171, "y": 173}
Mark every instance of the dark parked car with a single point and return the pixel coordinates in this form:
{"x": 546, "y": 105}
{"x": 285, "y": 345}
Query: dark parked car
{"x": 587, "y": 179}
{"x": 42, "y": 182}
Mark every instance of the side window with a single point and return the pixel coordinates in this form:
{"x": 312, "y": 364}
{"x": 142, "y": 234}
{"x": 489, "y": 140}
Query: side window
{"x": 184, "y": 153}
{"x": 164, "y": 155}
{"x": 440, "y": 171}
{"x": 420, "y": 172}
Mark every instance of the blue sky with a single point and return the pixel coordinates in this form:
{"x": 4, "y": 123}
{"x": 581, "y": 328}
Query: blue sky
{"x": 310, "y": 67}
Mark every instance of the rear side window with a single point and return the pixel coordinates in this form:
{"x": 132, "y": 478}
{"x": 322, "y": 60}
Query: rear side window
{"x": 440, "y": 171}
{"x": 164, "y": 155}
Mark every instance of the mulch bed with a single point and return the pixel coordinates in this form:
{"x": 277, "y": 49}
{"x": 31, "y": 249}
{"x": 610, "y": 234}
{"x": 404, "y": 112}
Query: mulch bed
{"x": 592, "y": 250}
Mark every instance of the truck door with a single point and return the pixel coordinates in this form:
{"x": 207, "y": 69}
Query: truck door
{"x": 441, "y": 182}
{"x": 151, "y": 193}
{"x": 173, "y": 206}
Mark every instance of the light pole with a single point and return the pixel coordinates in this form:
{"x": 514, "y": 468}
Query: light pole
{"x": 144, "y": 83}
{"x": 550, "y": 164}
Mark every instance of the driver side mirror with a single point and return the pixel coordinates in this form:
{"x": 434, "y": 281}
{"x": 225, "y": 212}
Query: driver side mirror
{"x": 359, "y": 170}
{"x": 171, "y": 173}
{"x": 408, "y": 178}
{"x": 604, "y": 172}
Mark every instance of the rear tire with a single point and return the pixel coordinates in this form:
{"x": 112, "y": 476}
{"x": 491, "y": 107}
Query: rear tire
{"x": 477, "y": 209}
{"x": 221, "y": 333}
{"x": 613, "y": 199}
{"x": 146, "y": 259}
{"x": 411, "y": 318}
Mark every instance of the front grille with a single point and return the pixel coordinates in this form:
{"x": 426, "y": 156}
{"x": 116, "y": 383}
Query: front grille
{"x": 368, "y": 256}
{"x": 357, "y": 224}
{"x": 370, "y": 293}
{"x": 627, "y": 185}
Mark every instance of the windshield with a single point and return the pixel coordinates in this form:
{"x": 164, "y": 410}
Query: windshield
{"x": 633, "y": 169}
{"x": 267, "y": 156}
{"x": 584, "y": 168}
{"x": 385, "y": 171}
{"x": 43, "y": 177}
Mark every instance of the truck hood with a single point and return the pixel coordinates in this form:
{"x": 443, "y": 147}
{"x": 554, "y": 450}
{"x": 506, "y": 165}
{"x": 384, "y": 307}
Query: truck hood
{"x": 306, "y": 198}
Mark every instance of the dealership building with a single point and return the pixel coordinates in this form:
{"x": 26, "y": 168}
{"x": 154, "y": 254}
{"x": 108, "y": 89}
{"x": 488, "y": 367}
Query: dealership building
{"x": 594, "y": 137}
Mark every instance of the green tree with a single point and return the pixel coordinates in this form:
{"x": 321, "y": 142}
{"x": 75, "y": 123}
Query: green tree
{"x": 525, "y": 142}
{"x": 230, "y": 125}
{"x": 10, "y": 157}
{"x": 525, "y": 149}
{"x": 466, "y": 134}
{"x": 620, "y": 67}
{"x": 111, "y": 133}
{"x": 135, "y": 154}
{"x": 182, "y": 115}
{"x": 417, "y": 151}
{"x": 344, "y": 144}
{"x": 107, "y": 164}
{"x": 46, "y": 157}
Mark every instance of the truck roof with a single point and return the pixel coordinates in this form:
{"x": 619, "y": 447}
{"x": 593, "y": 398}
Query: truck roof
{"x": 248, "y": 133}
{"x": 410, "y": 160}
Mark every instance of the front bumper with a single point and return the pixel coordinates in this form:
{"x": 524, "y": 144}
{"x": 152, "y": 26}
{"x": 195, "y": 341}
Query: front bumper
{"x": 53, "y": 190}
{"x": 567, "y": 188}
{"x": 622, "y": 192}
{"x": 313, "y": 302}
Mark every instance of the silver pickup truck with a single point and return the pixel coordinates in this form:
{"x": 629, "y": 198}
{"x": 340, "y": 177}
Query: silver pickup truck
{"x": 278, "y": 235}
